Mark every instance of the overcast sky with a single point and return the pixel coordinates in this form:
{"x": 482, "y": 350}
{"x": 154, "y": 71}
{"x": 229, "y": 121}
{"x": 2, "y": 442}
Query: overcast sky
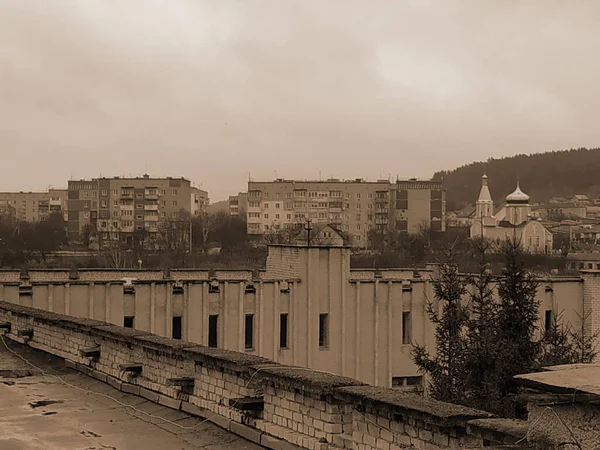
{"x": 214, "y": 90}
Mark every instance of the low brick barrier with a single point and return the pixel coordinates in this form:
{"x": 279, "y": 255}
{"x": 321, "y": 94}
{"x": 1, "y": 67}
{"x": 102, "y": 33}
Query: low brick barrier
{"x": 279, "y": 407}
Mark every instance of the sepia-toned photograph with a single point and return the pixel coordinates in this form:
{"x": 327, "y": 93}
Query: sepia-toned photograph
{"x": 299, "y": 225}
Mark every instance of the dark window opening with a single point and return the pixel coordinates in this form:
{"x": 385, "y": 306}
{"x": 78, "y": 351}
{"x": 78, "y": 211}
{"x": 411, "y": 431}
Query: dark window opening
{"x": 213, "y": 322}
{"x": 323, "y": 330}
{"x": 249, "y": 332}
{"x": 176, "y": 332}
{"x": 128, "y": 321}
{"x": 406, "y": 328}
{"x": 283, "y": 331}
{"x": 213, "y": 288}
{"x": 549, "y": 320}
{"x": 406, "y": 381}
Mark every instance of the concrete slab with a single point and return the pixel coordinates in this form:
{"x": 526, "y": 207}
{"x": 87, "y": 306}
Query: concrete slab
{"x": 69, "y": 417}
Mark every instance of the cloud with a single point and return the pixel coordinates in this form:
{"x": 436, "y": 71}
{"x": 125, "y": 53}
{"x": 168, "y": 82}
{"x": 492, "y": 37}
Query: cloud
{"x": 216, "y": 90}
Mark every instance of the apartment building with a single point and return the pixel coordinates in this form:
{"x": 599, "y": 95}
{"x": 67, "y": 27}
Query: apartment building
{"x": 353, "y": 206}
{"x": 120, "y": 206}
{"x": 238, "y": 204}
{"x": 34, "y": 206}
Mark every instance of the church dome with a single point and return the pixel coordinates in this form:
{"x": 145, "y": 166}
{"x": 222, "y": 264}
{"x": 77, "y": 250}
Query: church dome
{"x": 518, "y": 196}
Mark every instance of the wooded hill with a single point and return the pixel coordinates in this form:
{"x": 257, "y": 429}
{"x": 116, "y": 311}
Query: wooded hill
{"x": 542, "y": 176}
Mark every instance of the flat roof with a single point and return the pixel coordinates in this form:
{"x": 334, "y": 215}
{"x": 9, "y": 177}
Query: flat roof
{"x": 39, "y": 411}
{"x": 569, "y": 378}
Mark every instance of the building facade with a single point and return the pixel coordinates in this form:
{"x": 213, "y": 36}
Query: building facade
{"x": 308, "y": 308}
{"x": 353, "y": 206}
{"x": 514, "y": 221}
{"x": 35, "y": 206}
{"x": 118, "y": 207}
{"x": 238, "y": 204}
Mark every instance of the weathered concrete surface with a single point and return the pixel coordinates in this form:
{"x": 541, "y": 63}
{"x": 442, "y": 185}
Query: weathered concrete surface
{"x": 565, "y": 379}
{"x": 30, "y": 420}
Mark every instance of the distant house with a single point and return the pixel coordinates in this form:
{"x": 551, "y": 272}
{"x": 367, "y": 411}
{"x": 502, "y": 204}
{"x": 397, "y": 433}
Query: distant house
{"x": 580, "y": 199}
{"x": 320, "y": 235}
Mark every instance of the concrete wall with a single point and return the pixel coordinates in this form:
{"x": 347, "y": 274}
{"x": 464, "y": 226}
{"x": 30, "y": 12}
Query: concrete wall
{"x": 365, "y": 308}
{"x": 296, "y": 407}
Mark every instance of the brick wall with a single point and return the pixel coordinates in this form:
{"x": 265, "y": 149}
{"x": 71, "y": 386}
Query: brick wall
{"x": 301, "y": 407}
{"x": 591, "y": 301}
{"x": 283, "y": 262}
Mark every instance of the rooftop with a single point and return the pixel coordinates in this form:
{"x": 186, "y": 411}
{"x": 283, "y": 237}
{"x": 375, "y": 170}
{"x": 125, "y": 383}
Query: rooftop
{"x": 567, "y": 379}
{"x": 39, "y": 411}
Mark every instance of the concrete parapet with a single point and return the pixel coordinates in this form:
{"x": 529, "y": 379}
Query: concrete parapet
{"x": 271, "y": 404}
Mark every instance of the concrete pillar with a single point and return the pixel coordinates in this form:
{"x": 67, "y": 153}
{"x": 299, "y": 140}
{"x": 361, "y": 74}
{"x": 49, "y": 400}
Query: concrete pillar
{"x": 241, "y": 313}
{"x": 343, "y": 316}
{"x": 204, "y": 331}
{"x": 152, "y": 307}
{"x": 169, "y": 310}
{"x": 294, "y": 323}
{"x": 67, "y": 298}
{"x": 223, "y": 315}
{"x": 91, "y": 293}
{"x": 260, "y": 309}
{"x": 50, "y": 297}
{"x": 390, "y": 337}
{"x": 309, "y": 315}
{"x": 276, "y": 312}
{"x": 376, "y": 336}
{"x": 107, "y": 305}
{"x": 186, "y": 311}
{"x": 357, "y": 340}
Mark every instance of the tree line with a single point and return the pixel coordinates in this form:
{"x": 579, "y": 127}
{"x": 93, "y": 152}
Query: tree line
{"x": 542, "y": 176}
{"x": 487, "y": 331}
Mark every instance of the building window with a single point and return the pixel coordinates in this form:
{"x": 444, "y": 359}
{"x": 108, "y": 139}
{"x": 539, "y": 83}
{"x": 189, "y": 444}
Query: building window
{"x": 406, "y": 381}
{"x": 289, "y": 217}
{"x": 549, "y": 320}
{"x": 176, "y": 330}
{"x": 103, "y": 203}
{"x": 406, "y": 328}
{"x": 128, "y": 321}
{"x": 174, "y": 191}
{"x": 266, "y": 205}
{"x": 163, "y": 214}
{"x": 139, "y": 195}
{"x": 86, "y": 215}
{"x": 283, "y": 331}
{"x": 138, "y": 217}
{"x": 213, "y": 323}
{"x": 104, "y": 192}
{"x": 277, "y": 216}
{"x": 249, "y": 332}
{"x": 174, "y": 202}
{"x": 323, "y": 330}
{"x": 115, "y": 224}
{"x": 115, "y": 192}
{"x": 139, "y": 206}
{"x": 358, "y": 217}
{"x": 266, "y": 216}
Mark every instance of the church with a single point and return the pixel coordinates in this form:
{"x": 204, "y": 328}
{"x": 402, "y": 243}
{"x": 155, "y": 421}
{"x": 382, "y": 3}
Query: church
{"x": 514, "y": 221}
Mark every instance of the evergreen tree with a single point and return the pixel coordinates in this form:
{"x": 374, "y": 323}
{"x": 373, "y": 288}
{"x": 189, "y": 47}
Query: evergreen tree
{"x": 482, "y": 340}
{"x": 516, "y": 322}
{"x": 445, "y": 370}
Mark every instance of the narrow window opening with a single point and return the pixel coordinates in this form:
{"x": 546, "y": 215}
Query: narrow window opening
{"x": 128, "y": 321}
{"x": 249, "y": 332}
{"x": 283, "y": 331}
{"x": 213, "y": 322}
{"x": 176, "y": 332}
{"x": 324, "y": 330}
{"x": 549, "y": 320}
{"x": 406, "y": 328}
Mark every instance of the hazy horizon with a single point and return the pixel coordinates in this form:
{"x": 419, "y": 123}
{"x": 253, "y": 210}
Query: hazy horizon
{"x": 214, "y": 91}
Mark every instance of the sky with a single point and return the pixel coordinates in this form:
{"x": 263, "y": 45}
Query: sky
{"x": 219, "y": 91}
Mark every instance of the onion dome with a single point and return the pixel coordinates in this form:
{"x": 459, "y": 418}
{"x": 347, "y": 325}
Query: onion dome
{"x": 518, "y": 196}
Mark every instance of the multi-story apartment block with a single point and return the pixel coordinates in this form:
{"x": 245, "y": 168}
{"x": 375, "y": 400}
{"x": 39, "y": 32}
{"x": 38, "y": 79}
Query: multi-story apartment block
{"x": 120, "y": 206}
{"x": 34, "y": 206}
{"x": 353, "y": 206}
{"x": 238, "y": 204}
